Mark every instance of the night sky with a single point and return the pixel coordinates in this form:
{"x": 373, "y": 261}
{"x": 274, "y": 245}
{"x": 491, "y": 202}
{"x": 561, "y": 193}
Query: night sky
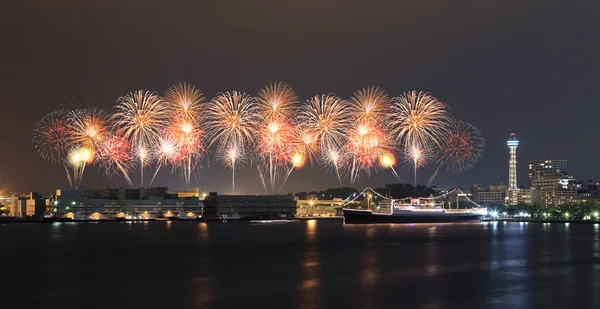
{"x": 529, "y": 67}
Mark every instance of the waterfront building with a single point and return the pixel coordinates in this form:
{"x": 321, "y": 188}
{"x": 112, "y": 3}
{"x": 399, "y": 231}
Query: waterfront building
{"x": 111, "y": 203}
{"x": 27, "y": 205}
{"x": 319, "y": 208}
{"x": 522, "y": 197}
{"x": 557, "y": 197}
{"x": 493, "y": 195}
{"x": 249, "y": 206}
{"x": 195, "y": 192}
{"x": 556, "y": 188}
{"x": 539, "y": 168}
{"x": 556, "y": 181}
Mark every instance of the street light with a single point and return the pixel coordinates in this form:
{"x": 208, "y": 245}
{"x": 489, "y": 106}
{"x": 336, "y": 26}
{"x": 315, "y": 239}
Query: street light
{"x": 566, "y": 214}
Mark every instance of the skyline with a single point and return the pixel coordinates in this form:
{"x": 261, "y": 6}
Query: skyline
{"x": 533, "y": 65}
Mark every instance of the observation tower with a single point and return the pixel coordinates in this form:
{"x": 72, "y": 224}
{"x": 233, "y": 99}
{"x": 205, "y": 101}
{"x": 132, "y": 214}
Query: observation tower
{"x": 512, "y": 144}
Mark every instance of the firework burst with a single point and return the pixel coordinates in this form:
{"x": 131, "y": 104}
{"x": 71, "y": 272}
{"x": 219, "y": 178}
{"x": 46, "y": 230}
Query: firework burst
{"x": 232, "y": 157}
{"x": 166, "y": 153}
{"x": 188, "y": 137}
{"x": 370, "y": 105}
{"x": 114, "y": 156}
{"x": 462, "y": 148}
{"x": 277, "y": 134}
{"x": 184, "y": 104}
{"x": 89, "y": 126}
{"x": 418, "y": 118}
{"x": 184, "y": 101}
{"x": 52, "y": 138}
{"x": 366, "y": 143}
{"x": 326, "y": 119}
{"x": 416, "y": 156}
{"x": 79, "y": 158}
{"x": 140, "y": 117}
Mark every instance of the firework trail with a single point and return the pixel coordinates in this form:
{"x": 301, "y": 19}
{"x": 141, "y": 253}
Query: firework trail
{"x": 233, "y": 157}
{"x": 333, "y": 157}
{"x": 139, "y": 117}
{"x": 277, "y": 134}
{"x": 297, "y": 160}
{"x": 166, "y": 153}
{"x": 417, "y": 156}
{"x": 114, "y": 156}
{"x": 79, "y": 158}
{"x": 184, "y": 104}
{"x": 52, "y": 138}
{"x": 419, "y": 119}
{"x": 462, "y": 147}
{"x": 89, "y": 127}
{"x": 387, "y": 160}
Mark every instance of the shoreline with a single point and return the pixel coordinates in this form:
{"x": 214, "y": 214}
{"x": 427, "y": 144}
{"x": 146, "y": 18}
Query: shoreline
{"x": 37, "y": 220}
{"x": 517, "y": 220}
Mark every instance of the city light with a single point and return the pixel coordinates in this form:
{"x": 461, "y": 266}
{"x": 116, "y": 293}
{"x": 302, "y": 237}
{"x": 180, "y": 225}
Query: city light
{"x": 596, "y": 214}
{"x": 566, "y": 214}
{"x": 494, "y": 213}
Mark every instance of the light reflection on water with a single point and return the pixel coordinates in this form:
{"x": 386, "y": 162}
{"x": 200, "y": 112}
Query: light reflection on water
{"x": 310, "y": 264}
{"x": 310, "y": 273}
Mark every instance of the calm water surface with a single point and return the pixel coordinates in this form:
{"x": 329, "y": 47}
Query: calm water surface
{"x": 299, "y": 265}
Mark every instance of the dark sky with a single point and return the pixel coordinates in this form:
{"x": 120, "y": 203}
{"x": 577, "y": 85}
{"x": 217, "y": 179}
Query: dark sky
{"x": 529, "y": 67}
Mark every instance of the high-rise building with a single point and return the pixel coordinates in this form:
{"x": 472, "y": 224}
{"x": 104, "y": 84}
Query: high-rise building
{"x": 512, "y": 144}
{"x": 539, "y": 168}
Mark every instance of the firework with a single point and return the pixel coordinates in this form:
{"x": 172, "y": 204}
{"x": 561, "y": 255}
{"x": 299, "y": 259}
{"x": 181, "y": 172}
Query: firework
{"x": 462, "y": 148}
{"x": 333, "y": 158}
{"x": 89, "y": 126}
{"x": 277, "y": 135}
{"x": 370, "y": 105}
{"x": 355, "y": 137}
{"x": 232, "y": 157}
{"x": 139, "y": 117}
{"x": 188, "y": 137}
{"x": 167, "y": 152}
{"x": 366, "y": 143}
{"x": 230, "y": 121}
{"x": 114, "y": 156}
{"x": 277, "y": 101}
{"x": 79, "y": 158}
{"x": 326, "y": 118}
{"x": 184, "y": 101}
{"x": 419, "y": 119}
{"x": 387, "y": 160}
{"x": 417, "y": 156}
{"x": 52, "y": 138}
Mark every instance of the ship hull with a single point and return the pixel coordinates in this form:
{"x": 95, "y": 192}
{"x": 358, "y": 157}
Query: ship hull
{"x": 360, "y": 216}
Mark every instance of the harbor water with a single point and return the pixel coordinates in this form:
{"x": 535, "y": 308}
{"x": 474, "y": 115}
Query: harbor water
{"x": 305, "y": 264}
